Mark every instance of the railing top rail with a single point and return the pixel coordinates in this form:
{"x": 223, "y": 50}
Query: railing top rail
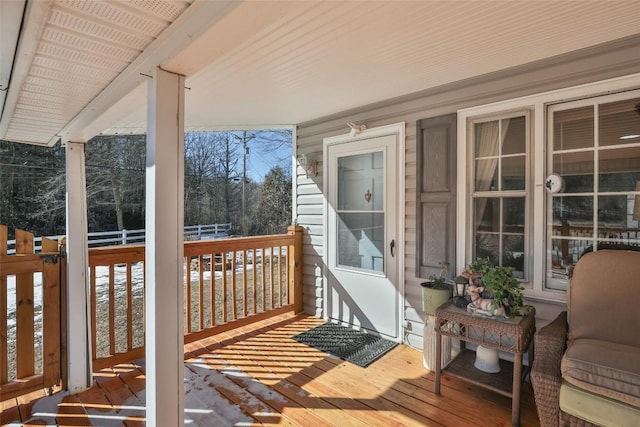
{"x": 239, "y": 243}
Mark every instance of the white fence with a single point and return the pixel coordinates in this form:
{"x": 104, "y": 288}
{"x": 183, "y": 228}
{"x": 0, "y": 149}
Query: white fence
{"x": 124, "y": 237}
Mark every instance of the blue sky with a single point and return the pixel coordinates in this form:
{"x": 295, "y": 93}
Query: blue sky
{"x": 263, "y": 156}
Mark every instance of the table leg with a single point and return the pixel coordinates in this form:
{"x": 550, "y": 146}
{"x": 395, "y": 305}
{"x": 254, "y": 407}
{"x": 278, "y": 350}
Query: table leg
{"x": 517, "y": 383}
{"x": 438, "y": 357}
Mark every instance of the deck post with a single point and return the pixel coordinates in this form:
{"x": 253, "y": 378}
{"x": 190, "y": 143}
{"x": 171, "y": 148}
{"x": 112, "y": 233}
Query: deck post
{"x": 295, "y": 282}
{"x": 164, "y": 251}
{"x": 78, "y": 334}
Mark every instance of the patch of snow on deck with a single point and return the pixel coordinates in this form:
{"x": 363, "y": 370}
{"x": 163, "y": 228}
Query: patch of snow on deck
{"x": 249, "y": 390}
{"x": 204, "y": 405}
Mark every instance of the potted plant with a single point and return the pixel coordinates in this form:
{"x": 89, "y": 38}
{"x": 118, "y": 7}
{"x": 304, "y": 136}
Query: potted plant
{"x": 499, "y": 283}
{"x": 437, "y": 290}
{"x": 503, "y": 286}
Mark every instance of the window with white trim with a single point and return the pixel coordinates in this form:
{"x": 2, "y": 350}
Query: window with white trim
{"x": 594, "y": 146}
{"x": 500, "y": 193}
{"x": 588, "y": 138}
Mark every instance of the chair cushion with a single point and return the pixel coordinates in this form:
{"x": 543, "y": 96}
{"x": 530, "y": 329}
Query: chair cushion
{"x": 596, "y": 409}
{"x": 608, "y": 369}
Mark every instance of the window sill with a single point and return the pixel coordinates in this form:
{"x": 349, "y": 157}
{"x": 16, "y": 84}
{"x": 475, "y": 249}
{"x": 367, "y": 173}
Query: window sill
{"x": 553, "y": 297}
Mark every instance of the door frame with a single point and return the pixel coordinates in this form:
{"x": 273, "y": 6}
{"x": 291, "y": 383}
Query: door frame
{"x": 397, "y": 130}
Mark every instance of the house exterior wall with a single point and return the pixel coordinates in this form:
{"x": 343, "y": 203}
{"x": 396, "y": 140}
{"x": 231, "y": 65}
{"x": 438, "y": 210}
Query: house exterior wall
{"x": 586, "y": 66}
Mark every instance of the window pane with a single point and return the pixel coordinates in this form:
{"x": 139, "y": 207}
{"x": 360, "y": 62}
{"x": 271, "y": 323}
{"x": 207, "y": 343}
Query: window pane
{"x": 513, "y": 215}
{"x": 488, "y": 246}
{"x": 486, "y": 137}
{"x": 619, "y": 123}
{"x": 361, "y": 241}
{"x": 619, "y": 169}
{"x": 361, "y": 182}
{"x": 573, "y": 216}
{"x": 573, "y": 129}
{"x": 615, "y": 216}
{"x": 513, "y": 254}
{"x": 576, "y": 169}
{"x": 513, "y": 173}
{"x": 565, "y": 254}
{"x": 515, "y": 139}
{"x": 513, "y": 238}
{"x": 487, "y": 214}
{"x": 487, "y": 175}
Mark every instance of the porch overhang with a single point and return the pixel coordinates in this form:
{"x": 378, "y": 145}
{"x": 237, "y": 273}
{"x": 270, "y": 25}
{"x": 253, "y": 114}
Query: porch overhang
{"x": 79, "y": 67}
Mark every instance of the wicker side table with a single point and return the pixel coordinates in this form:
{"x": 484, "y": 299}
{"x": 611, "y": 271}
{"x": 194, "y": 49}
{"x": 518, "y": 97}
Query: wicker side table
{"x": 512, "y": 335}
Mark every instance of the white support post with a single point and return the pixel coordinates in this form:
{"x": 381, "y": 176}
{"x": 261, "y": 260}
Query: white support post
{"x": 164, "y": 307}
{"x": 78, "y": 312}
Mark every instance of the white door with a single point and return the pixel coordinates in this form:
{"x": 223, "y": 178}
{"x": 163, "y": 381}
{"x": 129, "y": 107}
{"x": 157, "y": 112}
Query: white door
{"x": 362, "y": 234}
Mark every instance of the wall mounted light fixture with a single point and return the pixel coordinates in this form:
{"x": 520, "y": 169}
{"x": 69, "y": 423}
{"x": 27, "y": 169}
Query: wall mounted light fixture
{"x": 355, "y": 128}
{"x": 310, "y": 166}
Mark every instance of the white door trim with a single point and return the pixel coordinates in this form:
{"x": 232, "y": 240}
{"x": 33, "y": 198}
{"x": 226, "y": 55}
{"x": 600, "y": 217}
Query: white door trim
{"x": 397, "y": 129}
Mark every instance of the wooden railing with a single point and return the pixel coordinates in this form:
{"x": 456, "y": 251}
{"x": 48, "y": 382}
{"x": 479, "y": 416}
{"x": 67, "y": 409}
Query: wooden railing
{"x": 30, "y": 350}
{"x": 230, "y": 282}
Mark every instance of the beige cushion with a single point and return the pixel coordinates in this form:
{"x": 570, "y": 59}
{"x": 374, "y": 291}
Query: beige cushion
{"x": 597, "y": 409}
{"x": 604, "y": 297}
{"x": 605, "y": 368}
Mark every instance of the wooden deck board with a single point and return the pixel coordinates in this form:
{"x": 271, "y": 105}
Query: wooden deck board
{"x": 258, "y": 375}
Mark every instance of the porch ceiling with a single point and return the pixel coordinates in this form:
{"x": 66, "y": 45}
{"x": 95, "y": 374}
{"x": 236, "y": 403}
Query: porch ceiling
{"x": 79, "y": 66}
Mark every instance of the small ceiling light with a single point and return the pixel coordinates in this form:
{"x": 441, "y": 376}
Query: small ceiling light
{"x": 633, "y": 136}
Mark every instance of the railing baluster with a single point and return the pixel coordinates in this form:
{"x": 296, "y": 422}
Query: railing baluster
{"x": 51, "y": 322}
{"x": 271, "y": 278}
{"x": 4, "y": 366}
{"x": 223, "y": 256}
{"x": 263, "y": 260}
{"x": 25, "y": 358}
{"x": 234, "y": 296}
{"x": 129, "y": 285}
{"x": 212, "y": 286}
{"x": 280, "y": 283}
{"x": 187, "y": 297}
{"x": 94, "y": 345}
{"x": 112, "y": 311}
{"x": 254, "y": 280}
{"x": 245, "y": 290}
{"x": 201, "y": 282}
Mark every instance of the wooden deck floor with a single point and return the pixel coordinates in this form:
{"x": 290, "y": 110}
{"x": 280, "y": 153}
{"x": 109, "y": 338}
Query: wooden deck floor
{"x": 259, "y": 375}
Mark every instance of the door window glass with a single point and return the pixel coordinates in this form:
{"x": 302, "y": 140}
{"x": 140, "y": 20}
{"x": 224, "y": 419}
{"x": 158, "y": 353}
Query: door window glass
{"x": 360, "y": 211}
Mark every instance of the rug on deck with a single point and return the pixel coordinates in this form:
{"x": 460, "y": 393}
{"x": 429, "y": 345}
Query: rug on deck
{"x": 347, "y": 344}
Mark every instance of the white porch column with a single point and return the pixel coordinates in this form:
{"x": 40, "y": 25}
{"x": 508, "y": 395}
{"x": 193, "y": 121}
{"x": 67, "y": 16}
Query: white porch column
{"x": 164, "y": 308}
{"x": 78, "y": 337}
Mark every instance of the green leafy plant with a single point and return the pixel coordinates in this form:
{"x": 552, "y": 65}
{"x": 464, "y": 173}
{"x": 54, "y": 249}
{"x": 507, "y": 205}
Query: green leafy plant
{"x": 500, "y": 283}
{"x": 440, "y": 281}
{"x": 479, "y": 265}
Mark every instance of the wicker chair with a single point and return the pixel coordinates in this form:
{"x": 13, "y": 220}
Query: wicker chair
{"x": 602, "y": 309}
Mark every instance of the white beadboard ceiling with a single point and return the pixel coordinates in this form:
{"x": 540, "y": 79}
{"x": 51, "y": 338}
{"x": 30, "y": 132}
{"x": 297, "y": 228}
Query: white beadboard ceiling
{"x": 79, "y": 66}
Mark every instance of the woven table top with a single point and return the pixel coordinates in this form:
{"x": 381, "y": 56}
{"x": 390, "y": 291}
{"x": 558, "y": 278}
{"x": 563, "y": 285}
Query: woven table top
{"x": 512, "y": 335}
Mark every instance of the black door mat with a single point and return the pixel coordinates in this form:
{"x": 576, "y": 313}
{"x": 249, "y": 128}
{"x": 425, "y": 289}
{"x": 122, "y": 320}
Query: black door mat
{"x": 347, "y": 344}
